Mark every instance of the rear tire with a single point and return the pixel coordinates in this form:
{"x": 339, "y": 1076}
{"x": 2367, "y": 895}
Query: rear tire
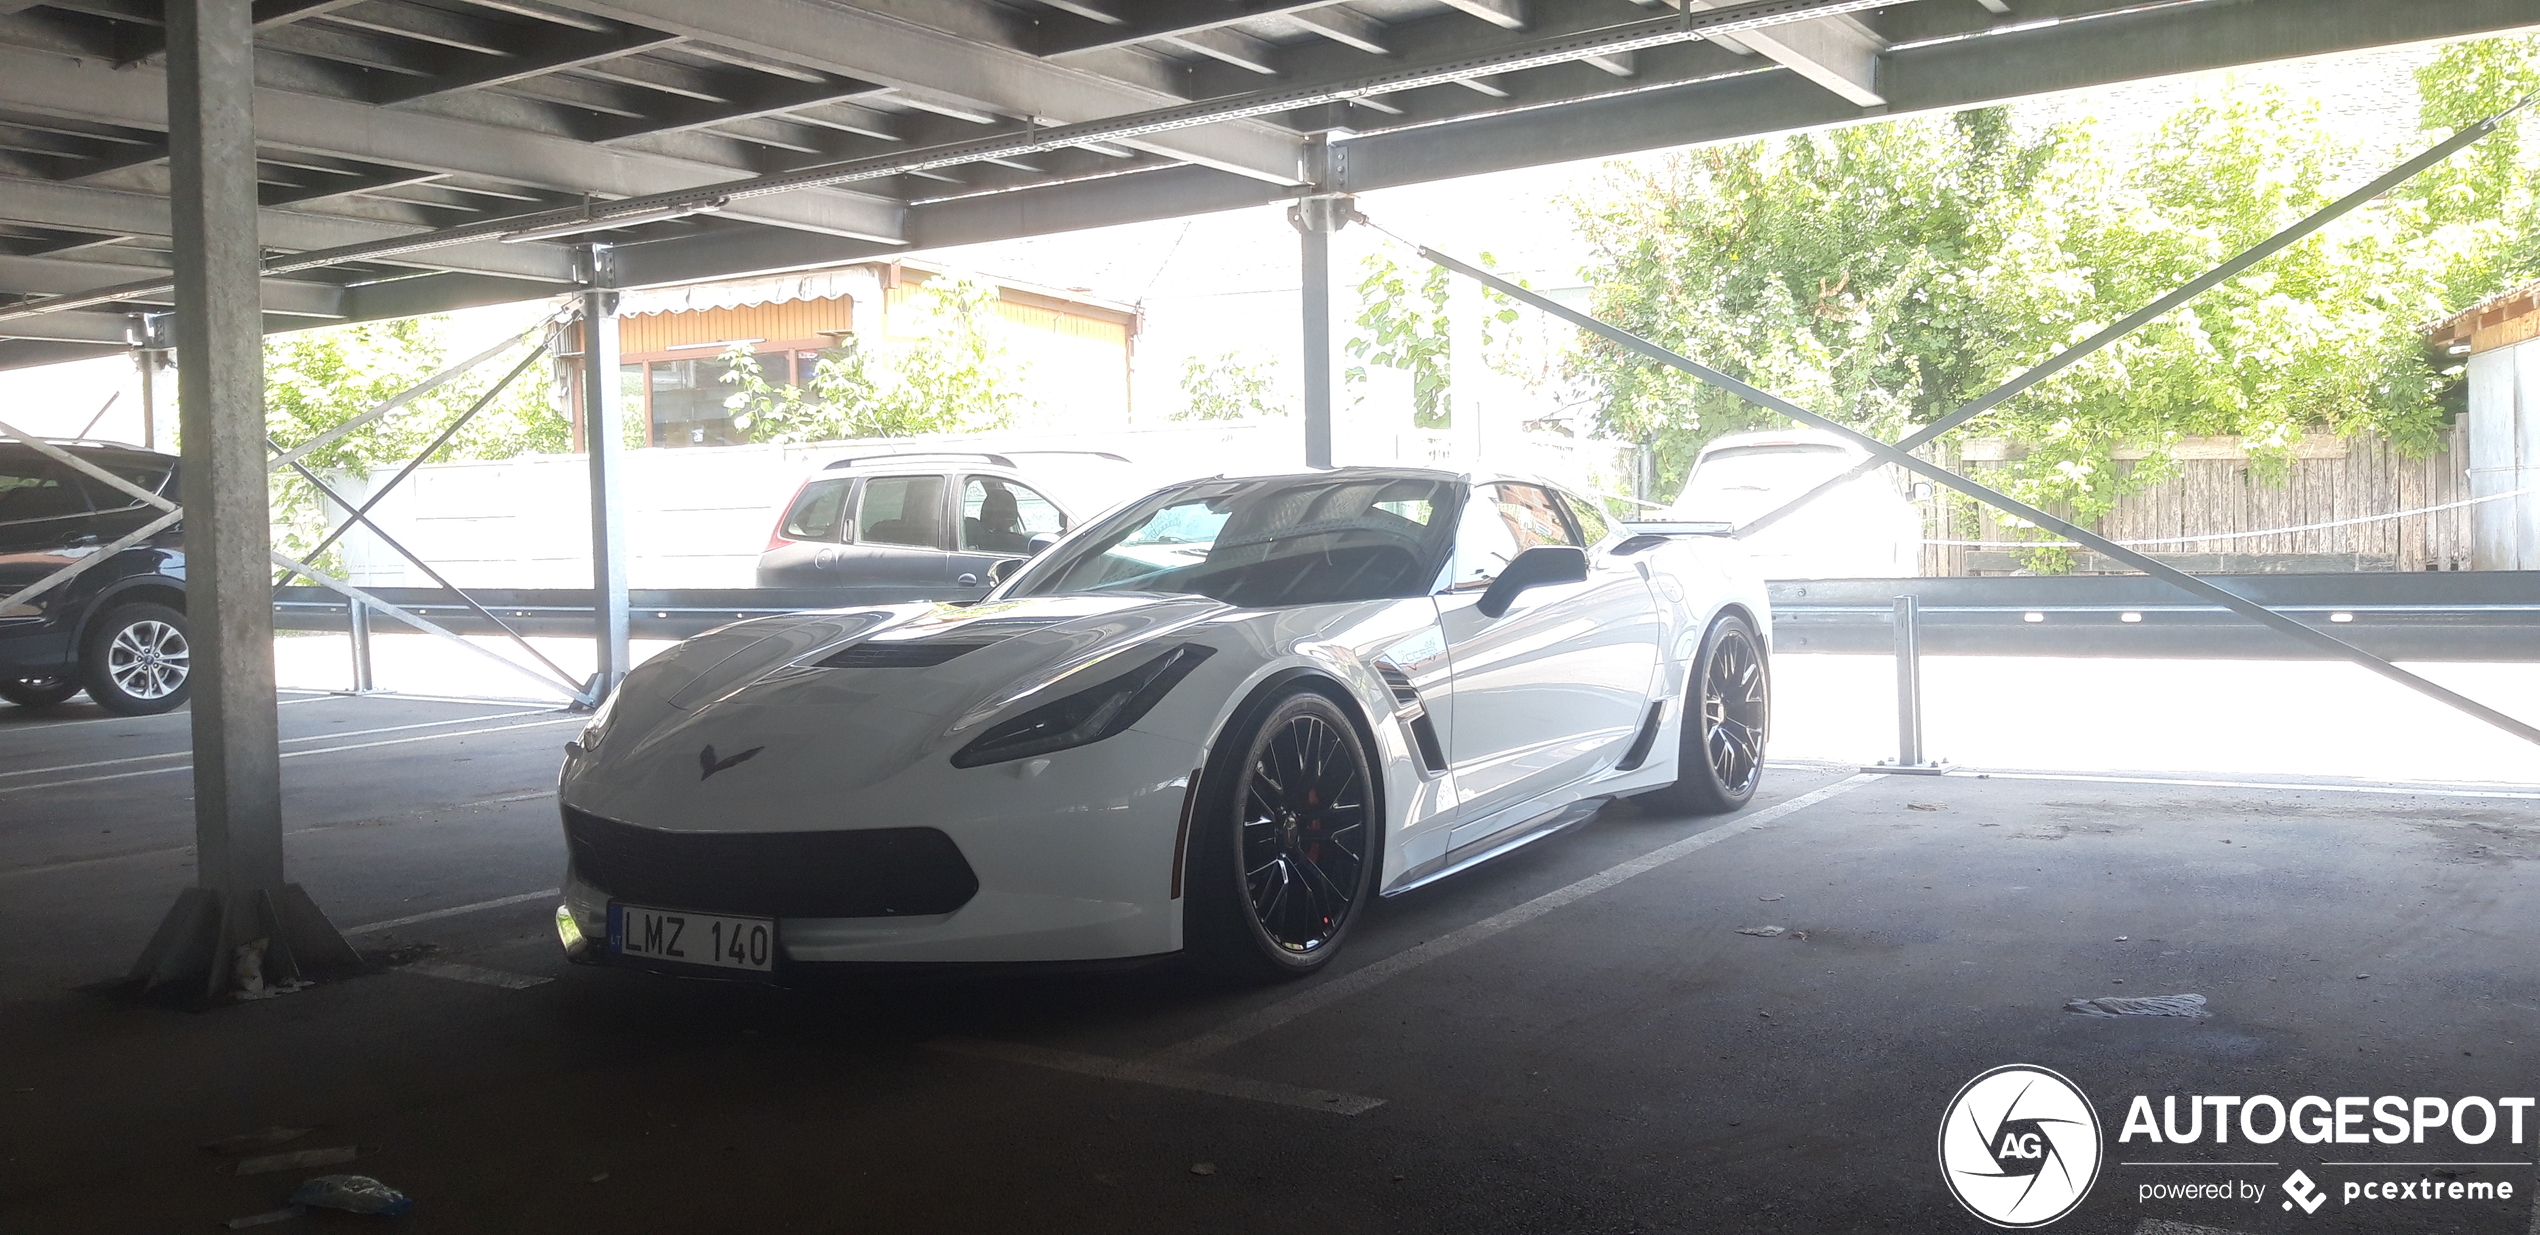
{"x": 38, "y": 692}
{"x": 1720, "y": 747}
{"x": 139, "y": 660}
{"x": 1286, "y": 841}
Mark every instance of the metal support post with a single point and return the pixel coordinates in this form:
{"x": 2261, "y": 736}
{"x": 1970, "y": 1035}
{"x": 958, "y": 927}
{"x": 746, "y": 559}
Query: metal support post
{"x": 601, "y": 412}
{"x": 357, "y": 616}
{"x": 1316, "y": 218}
{"x": 240, "y": 905}
{"x": 1909, "y": 687}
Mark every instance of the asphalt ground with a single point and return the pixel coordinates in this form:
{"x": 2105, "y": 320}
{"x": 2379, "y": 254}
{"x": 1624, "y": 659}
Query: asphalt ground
{"x": 1575, "y": 1038}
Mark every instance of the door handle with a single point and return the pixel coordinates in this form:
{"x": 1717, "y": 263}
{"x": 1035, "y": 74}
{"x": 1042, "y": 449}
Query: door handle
{"x": 968, "y": 581}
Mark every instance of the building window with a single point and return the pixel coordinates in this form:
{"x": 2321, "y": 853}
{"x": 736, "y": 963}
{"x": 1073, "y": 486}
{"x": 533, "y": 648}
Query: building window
{"x": 686, "y": 403}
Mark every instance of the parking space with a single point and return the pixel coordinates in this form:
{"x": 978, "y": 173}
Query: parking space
{"x": 1579, "y": 1037}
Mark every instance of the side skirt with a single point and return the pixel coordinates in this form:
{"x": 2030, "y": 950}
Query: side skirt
{"x": 1552, "y": 823}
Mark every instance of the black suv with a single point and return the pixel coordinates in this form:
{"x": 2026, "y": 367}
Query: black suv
{"x": 117, "y": 629}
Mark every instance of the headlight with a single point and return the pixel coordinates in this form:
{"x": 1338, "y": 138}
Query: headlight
{"x": 598, "y": 726}
{"x": 1089, "y": 715}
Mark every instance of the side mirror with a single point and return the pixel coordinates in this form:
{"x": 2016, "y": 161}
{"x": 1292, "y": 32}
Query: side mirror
{"x": 1003, "y": 569}
{"x": 1040, "y": 544}
{"x": 1536, "y": 567}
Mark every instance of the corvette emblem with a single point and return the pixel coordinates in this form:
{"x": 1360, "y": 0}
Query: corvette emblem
{"x": 709, "y": 765}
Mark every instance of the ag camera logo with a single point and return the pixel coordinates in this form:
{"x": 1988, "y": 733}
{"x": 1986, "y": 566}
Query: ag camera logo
{"x": 2019, "y": 1146}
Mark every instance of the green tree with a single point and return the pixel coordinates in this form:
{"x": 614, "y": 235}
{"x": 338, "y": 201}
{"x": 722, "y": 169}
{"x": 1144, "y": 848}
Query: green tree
{"x": 316, "y": 380}
{"x": 1230, "y": 387}
{"x": 1402, "y": 325}
{"x": 1885, "y": 274}
{"x": 951, "y": 374}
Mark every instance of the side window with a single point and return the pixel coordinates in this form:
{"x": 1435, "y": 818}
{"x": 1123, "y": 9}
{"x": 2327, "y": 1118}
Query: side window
{"x": 902, "y": 510}
{"x": 106, "y": 497}
{"x": 1484, "y": 544}
{"x": 1589, "y": 516}
{"x": 815, "y": 515}
{"x": 1001, "y": 516}
{"x": 32, "y": 487}
{"x": 1533, "y": 517}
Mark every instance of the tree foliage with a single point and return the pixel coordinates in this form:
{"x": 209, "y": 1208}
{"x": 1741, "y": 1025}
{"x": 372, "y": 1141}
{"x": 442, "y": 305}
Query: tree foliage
{"x": 1232, "y": 386}
{"x": 1886, "y": 274}
{"x": 1401, "y": 325}
{"x": 316, "y": 380}
{"x": 946, "y": 371}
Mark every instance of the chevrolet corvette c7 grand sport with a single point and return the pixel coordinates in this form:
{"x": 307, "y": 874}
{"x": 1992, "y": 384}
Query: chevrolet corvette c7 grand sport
{"x": 1217, "y": 722}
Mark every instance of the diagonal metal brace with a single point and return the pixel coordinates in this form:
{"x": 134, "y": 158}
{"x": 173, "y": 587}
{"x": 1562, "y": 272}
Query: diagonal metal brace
{"x": 2154, "y": 311}
{"x": 296, "y": 567}
{"x": 1887, "y": 453}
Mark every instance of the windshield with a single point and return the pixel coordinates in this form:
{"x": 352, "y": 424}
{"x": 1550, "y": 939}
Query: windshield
{"x": 1262, "y": 544}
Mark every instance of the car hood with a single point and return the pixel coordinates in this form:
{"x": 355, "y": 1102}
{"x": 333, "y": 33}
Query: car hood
{"x": 900, "y": 684}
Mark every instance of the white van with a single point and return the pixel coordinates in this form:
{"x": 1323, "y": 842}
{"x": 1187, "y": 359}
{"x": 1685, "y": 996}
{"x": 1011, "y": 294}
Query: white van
{"x": 1863, "y": 530}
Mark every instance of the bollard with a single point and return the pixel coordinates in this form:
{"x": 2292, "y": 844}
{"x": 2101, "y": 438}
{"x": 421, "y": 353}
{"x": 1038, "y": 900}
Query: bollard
{"x": 1909, "y": 686}
{"x": 357, "y": 619}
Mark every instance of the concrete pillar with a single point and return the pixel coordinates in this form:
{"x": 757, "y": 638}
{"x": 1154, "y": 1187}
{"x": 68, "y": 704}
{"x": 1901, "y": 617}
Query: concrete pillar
{"x": 239, "y": 897}
{"x": 221, "y": 409}
{"x": 602, "y": 414}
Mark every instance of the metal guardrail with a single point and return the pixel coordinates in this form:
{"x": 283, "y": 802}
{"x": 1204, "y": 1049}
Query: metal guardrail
{"x": 2468, "y": 615}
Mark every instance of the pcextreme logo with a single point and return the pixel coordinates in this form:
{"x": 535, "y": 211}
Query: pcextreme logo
{"x": 2019, "y": 1146}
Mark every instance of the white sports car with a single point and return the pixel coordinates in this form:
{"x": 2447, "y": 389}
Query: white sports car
{"x": 1217, "y": 722}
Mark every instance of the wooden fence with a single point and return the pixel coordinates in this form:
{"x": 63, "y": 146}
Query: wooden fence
{"x": 2213, "y": 489}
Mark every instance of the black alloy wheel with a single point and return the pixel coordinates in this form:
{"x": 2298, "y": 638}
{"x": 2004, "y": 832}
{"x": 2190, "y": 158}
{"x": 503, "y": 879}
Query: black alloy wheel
{"x": 139, "y": 660}
{"x": 1281, "y": 876}
{"x": 1721, "y": 753}
{"x": 38, "y": 692}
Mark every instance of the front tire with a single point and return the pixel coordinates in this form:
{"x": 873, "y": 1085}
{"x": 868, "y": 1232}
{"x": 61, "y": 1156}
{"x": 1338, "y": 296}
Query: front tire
{"x": 38, "y": 692}
{"x": 1285, "y": 849}
{"x": 139, "y": 660}
{"x": 1720, "y": 748}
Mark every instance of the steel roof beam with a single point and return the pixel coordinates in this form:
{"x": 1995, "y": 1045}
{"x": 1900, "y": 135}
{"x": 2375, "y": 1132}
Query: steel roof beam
{"x": 53, "y": 276}
{"x": 405, "y": 137}
{"x": 44, "y": 203}
{"x": 872, "y": 47}
{"x": 2127, "y": 45}
{"x": 1838, "y": 53}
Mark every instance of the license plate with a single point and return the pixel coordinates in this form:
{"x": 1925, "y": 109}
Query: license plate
{"x": 686, "y": 938}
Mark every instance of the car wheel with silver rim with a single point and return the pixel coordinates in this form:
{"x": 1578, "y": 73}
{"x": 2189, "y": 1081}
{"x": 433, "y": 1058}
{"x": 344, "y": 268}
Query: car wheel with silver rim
{"x": 139, "y": 660}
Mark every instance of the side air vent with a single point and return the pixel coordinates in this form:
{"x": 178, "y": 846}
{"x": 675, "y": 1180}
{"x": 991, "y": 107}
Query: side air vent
{"x": 1424, "y": 735}
{"x": 1414, "y": 715}
{"x": 900, "y": 655}
{"x": 1646, "y": 738}
{"x": 1406, "y": 697}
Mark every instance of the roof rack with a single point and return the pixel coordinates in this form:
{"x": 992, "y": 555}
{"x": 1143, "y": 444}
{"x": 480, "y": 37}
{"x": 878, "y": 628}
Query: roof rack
{"x": 906, "y": 456}
{"x": 1099, "y": 454}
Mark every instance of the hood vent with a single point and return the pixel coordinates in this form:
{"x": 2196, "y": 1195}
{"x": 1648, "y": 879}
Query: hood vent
{"x": 902, "y": 655}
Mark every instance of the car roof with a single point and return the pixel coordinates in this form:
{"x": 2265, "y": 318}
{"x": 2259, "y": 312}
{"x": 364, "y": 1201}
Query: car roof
{"x": 1766, "y": 439}
{"x": 1004, "y": 459}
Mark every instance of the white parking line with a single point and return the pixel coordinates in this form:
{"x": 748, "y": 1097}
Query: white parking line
{"x": 1324, "y": 994}
{"x": 472, "y": 973}
{"x": 21, "y": 727}
{"x": 2437, "y": 791}
{"x": 1154, "y": 1074}
{"x": 454, "y": 911}
{"x": 314, "y": 737}
{"x": 295, "y": 754}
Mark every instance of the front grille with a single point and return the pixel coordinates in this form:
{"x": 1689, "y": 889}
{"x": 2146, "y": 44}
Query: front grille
{"x": 900, "y": 655}
{"x": 878, "y": 872}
